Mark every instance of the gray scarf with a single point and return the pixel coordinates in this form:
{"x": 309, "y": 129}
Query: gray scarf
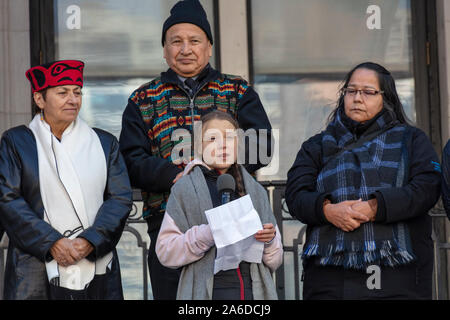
{"x": 188, "y": 201}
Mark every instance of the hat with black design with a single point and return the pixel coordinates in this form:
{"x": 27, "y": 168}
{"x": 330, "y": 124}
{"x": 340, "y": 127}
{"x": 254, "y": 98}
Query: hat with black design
{"x": 56, "y": 73}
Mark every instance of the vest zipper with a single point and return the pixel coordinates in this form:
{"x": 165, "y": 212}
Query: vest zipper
{"x": 191, "y": 106}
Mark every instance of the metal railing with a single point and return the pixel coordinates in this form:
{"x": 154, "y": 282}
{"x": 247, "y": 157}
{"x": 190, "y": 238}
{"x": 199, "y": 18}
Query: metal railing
{"x": 276, "y": 190}
{"x": 136, "y": 218}
{"x": 441, "y": 269}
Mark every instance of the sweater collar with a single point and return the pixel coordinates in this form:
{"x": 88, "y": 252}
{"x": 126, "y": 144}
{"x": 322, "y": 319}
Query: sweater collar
{"x": 211, "y": 173}
{"x": 206, "y": 75}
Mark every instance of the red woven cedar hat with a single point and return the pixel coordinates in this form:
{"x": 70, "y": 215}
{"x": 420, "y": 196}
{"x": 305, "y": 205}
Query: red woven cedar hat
{"x": 57, "y": 73}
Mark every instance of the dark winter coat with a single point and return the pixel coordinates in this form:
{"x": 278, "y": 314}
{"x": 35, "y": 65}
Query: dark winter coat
{"x": 446, "y": 178}
{"x": 409, "y": 203}
{"x": 22, "y": 215}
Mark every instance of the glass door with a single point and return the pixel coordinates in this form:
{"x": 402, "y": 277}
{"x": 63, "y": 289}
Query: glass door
{"x": 301, "y": 52}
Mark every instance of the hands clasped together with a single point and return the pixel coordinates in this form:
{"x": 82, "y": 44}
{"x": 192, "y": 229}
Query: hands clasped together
{"x": 349, "y": 215}
{"x": 68, "y": 252}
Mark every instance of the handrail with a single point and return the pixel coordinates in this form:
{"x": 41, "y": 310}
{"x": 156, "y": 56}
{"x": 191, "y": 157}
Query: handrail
{"x": 277, "y": 189}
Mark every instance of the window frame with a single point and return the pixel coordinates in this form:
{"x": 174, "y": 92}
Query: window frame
{"x": 425, "y": 66}
{"x": 42, "y": 33}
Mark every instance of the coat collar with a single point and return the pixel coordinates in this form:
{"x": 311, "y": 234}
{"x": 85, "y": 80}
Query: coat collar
{"x": 208, "y": 74}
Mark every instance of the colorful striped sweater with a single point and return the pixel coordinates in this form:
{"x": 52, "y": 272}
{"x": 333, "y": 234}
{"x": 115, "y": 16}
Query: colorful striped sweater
{"x": 156, "y": 109}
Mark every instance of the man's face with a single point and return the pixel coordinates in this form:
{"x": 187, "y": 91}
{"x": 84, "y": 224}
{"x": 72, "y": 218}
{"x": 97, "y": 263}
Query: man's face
{"x": 187, "y": 49}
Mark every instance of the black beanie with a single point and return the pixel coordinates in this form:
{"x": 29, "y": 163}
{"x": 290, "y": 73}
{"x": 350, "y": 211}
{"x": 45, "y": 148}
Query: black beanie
{"x": 188, "y": 11}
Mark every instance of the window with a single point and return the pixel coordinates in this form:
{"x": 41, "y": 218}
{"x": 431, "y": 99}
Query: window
{"x": 303, "y": 49}
{"x": 120, "y": 42}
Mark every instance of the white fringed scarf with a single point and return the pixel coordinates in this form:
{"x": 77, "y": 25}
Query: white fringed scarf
{"x": 72, "y": 177}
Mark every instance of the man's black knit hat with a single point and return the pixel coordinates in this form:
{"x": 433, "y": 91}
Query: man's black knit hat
{"x": 187, "y": 11}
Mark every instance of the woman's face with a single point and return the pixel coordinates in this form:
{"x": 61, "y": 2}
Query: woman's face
{"x": 61, "y": 104}
{"x": 365, "y": 103}
{"x": 219, "y": 144}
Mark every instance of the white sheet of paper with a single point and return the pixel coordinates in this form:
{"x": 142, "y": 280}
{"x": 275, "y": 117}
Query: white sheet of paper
{"x": 234, "y": 221}
{"x": 233, "y": 226}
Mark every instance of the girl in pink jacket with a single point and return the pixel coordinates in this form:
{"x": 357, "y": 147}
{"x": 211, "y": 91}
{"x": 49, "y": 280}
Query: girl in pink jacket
{"x": 185, "y": 239}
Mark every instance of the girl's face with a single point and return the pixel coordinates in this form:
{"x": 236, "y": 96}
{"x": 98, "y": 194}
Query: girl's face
{"x": 219, "y": 144}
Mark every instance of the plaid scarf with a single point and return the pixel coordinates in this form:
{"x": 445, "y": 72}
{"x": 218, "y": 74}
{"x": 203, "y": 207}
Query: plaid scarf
{"x": 354, "y": 172}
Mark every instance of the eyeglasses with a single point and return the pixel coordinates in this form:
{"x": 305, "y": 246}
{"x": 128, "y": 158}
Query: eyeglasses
{"x": 366, "y": 93}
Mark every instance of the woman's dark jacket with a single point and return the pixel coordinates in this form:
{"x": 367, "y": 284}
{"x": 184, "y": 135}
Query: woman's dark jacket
{"x": 446, "y": 178}
{"x": 409, "y": 203}
{"x": 22, "y": 212}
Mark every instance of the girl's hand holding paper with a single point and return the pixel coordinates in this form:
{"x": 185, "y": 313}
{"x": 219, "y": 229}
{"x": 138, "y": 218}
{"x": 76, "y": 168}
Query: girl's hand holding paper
{"x": 267, "y": 234}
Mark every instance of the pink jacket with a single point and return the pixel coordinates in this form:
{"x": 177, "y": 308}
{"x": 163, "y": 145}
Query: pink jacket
{"x": 176, "y": 249}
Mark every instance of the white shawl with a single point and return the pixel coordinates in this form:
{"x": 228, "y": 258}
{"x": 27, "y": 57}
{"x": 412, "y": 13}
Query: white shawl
{"x": 72, "y": 177}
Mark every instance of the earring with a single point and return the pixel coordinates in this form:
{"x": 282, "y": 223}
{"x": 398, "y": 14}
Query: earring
{"x": 42, "y": 115}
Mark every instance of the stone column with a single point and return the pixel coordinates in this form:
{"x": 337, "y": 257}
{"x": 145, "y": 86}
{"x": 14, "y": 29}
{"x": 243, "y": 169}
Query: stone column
{"x": 443, "y": 30}
{"x": 233, "y": 37}
{"x": 15, "y": 94}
